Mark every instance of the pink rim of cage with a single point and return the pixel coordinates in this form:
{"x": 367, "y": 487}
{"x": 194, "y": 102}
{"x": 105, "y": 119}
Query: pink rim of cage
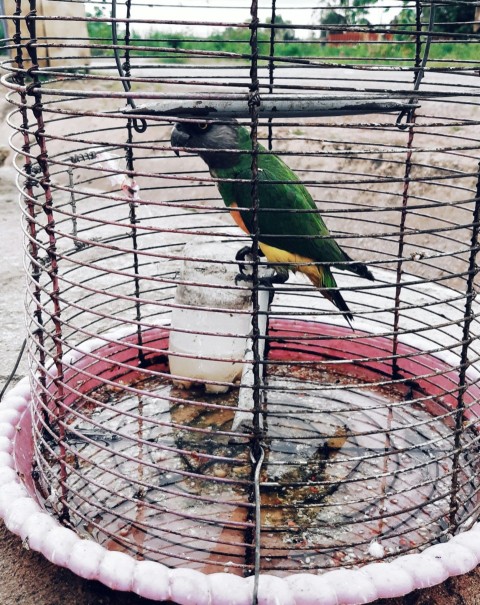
{"x": 24, "y": 516}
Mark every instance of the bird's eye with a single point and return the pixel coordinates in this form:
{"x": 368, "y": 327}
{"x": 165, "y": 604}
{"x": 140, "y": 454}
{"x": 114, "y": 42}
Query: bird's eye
{"x": 203, "y": 126}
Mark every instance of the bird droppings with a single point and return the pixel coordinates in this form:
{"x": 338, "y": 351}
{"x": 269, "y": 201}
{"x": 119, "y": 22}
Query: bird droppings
{"x": 376, "y": 550}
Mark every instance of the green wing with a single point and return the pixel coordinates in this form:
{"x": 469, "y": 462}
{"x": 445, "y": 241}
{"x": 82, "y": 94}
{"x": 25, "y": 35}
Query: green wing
{"x": 288, "y": 218}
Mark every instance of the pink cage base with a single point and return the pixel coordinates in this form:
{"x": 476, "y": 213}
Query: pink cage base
{"x": 292, "y": 340}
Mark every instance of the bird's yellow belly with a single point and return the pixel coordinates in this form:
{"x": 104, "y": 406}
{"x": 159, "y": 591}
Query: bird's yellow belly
{"x": 295, "y": 262}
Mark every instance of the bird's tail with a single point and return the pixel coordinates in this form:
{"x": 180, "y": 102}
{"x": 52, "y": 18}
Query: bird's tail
{"x": 323, "y": 279}
{"x": 356, "y": 267}
{"x": 337, "y": 299}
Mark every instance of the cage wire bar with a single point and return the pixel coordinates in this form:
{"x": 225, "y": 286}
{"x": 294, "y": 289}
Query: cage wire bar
{"x": 146, "y": 331}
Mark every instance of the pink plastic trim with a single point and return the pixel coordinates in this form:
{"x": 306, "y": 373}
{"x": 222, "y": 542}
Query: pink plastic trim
{"x": 24, "y": 516}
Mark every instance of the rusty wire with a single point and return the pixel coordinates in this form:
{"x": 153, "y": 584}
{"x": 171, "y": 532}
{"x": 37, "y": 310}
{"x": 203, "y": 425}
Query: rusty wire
{"x": 365, "y": 435}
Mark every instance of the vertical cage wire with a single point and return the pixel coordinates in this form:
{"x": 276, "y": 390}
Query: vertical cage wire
{"x": 355, "y": 437}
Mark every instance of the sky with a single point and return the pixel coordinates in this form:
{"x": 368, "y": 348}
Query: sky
{"x": 237, "y": 11}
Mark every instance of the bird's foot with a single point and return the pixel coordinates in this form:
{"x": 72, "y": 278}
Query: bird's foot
{"x": 279, "y": 277}
{"x": 265, "y": 282}
{"x": 243, "y": 253}
{"x": 239, "y": 277}
{"x": 241, "y": 256}
{"x": 267, "y": 275}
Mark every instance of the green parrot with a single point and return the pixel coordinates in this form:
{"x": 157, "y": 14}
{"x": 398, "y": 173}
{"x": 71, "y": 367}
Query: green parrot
{"x": 292, "y": 234}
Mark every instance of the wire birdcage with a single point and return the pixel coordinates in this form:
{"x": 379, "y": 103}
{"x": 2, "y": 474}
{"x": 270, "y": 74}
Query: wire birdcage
{"x": 189, "y": 408}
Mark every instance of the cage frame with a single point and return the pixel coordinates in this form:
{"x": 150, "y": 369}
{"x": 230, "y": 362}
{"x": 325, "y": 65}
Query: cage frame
{"x": 17, "y": 517}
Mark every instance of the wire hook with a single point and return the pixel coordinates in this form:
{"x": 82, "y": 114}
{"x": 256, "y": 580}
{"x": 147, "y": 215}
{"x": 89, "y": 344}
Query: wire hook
{"x": 139, "y": 124}
{"x": 408, "y": 113}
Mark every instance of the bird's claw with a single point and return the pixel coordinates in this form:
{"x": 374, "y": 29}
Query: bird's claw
{"x": 240, "y": 256}
{"x": 243, "y": 277}
{"x": 269, "y": 275}
{"x": 265, "y": 282}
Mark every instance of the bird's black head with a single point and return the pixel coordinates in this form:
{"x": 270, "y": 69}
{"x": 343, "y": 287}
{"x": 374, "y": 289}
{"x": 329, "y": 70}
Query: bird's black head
{"x": 209, "y": 140}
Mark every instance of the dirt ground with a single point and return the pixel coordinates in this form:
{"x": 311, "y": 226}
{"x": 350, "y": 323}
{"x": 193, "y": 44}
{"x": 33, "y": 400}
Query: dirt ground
{"x": 26, "y": 577}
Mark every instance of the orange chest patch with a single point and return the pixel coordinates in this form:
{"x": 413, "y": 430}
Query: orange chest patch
{"x": 237, "y": 217}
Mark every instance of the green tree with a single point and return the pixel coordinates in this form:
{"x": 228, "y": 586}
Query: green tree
{"x": 2, "y": 36}
{"x": 351, "y": 12}
{"x": 331, "y": 17}
{"x": 454, "y": 18}
{"x": 404, "y": 21}
{"x": 100, "y": 32}
{"x": 283, "y": 33}
{"x": 449, "y": 19}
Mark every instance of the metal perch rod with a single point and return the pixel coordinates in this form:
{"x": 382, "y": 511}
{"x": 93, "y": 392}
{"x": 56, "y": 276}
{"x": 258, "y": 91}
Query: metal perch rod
{"x": 272, "y": 106}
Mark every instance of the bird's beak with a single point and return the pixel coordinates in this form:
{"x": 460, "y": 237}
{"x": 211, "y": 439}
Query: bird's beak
{"x": 179, "y": 138}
